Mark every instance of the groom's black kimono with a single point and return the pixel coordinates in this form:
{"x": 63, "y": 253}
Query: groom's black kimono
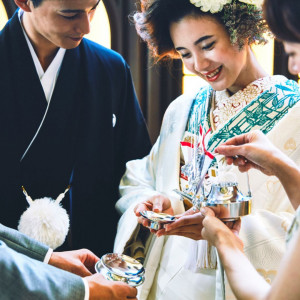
{"x": 77, "y": 142}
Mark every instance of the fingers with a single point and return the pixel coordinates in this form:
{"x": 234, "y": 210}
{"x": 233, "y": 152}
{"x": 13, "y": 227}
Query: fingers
{"x": 186, "y": 220}
{"x": 207, "y": 212}
{"x": 239, "y": 139}
{"x": 132, "y": 293}
{"x": 82, "y": 271}
{"x": 236, "y": 227}
{"x": 142, "y": 207}
{"x": 89, "y": 259}
{"x": 157, "y": 206}
{"x": 191, "y": 211}
{"x": 143, "y": 221}
{"x": 230, "y": 150}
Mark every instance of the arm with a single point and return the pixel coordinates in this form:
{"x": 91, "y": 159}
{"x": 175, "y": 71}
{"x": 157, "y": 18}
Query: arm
{"x": 139, "y": 181}
{"x": 244, "y": 280}
{"x": 80, "y": 262}
{"x": 22, "y": 243}
{"x": 253, "y": 150}
{"x": 137, "y": 187}
{"x": 26, "y": 278}
{"x": 286, "y": 284}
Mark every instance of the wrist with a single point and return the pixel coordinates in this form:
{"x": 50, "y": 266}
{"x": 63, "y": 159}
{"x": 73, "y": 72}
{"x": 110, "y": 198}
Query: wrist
{"x": 227, "y": 241}
{"x": 286, "y": 170}
{"x": 52, "y": 259}
{"x": 282, "y": 165}
{"x": 289, "y": 175}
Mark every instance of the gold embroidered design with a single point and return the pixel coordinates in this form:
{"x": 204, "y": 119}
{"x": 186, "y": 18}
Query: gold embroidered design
{"x": 290, "y": 144}
{"x": 285, "y": 225}
{"x": 267, "y": 274}
{"x": 272, "y": 186}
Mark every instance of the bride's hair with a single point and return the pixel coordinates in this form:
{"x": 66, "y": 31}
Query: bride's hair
{"x": 243, "y": 22}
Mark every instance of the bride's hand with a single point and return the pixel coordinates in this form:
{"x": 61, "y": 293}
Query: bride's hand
{"x": 158, "y": 204}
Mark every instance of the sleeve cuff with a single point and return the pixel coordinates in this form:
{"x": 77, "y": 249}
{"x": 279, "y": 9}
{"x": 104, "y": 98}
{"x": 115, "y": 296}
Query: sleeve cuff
{"x": 48, "y": 256}
{"x": 86, "y": 288}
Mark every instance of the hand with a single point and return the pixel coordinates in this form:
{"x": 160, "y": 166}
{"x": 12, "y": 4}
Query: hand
{"x": 219, "y": 233}
{"x": 253, "y": 150}
{"x": 159, "y": 204}
{"x": 188, "y": 224}
{"x": 81, "y": 262}
{"x": 103, "y": 289}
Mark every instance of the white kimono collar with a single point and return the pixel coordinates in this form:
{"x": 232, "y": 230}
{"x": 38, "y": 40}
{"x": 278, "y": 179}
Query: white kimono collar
{"x": 49, "y": 77}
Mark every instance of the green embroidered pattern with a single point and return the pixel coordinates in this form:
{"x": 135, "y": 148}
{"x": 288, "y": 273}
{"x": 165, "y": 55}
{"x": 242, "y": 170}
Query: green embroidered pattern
{"x": 262, "y": 113}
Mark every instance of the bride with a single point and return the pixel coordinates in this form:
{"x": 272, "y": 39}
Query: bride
{"x": 213, "y": 39}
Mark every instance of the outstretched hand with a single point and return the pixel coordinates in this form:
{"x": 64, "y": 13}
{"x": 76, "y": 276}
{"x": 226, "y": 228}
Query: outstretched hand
{"x": 80, "y": 262}
{"x": 158, "y": 204}
{"x": 250, "y": 150}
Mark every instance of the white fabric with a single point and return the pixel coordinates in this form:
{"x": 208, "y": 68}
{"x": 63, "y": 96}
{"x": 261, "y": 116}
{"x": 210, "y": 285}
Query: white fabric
{"x": 263, "y": 232}
{"x": 48, "y": 78}
{"x": 48, "y": 256}
{"x": 87, "y": 289}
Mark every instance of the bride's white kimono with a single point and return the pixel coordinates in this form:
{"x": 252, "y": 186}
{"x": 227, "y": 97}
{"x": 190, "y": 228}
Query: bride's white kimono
{"x": 263, "y": 232}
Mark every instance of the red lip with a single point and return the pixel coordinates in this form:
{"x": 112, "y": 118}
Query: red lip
{"x": 214, "y": 78}
{"x": 210, "y": 72}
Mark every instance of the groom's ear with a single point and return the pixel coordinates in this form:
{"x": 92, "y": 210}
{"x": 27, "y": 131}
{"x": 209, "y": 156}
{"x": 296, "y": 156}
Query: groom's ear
{"x": 23, "y": 4}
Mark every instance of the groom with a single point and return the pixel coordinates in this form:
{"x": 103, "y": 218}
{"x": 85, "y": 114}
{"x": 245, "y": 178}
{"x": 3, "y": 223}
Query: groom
{"x": 69, "y": 115}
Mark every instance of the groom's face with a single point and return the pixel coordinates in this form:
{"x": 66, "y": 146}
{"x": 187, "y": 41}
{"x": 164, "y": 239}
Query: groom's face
{"x": 61, "y": 23}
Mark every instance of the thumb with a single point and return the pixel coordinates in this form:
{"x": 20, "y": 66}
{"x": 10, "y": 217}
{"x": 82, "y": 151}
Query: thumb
{"x": 207, "y": 212}
{"x": 229, "y": 150}
{"x": 157, "y": 205}
{"x": 83, "y": 271}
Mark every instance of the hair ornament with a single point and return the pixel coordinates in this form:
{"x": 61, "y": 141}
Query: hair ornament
{"x": 212, "y": 6}
{"x": 215, "y": 6}
{"x": 257, "y": 3}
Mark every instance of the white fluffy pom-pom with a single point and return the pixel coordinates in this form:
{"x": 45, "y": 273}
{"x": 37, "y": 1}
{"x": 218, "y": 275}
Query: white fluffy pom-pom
{"x": 46, "y": 221}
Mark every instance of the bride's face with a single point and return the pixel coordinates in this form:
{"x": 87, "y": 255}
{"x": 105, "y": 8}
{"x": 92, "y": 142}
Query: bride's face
{"x": 293, "y": 51}
{"x": 206, "y": 51}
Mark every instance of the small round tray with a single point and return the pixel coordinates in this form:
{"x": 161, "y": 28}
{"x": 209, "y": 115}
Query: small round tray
{"x": 120, "y": 267}
{"x": 157, "y": 220}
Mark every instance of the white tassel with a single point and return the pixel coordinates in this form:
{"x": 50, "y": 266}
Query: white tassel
{"x": 201, "y": 256}
{"x": 45, "y": 220}
{"x": 207, "y": 256}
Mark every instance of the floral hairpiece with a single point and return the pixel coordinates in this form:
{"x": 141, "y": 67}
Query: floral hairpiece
{"x": 215, "y": 6}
